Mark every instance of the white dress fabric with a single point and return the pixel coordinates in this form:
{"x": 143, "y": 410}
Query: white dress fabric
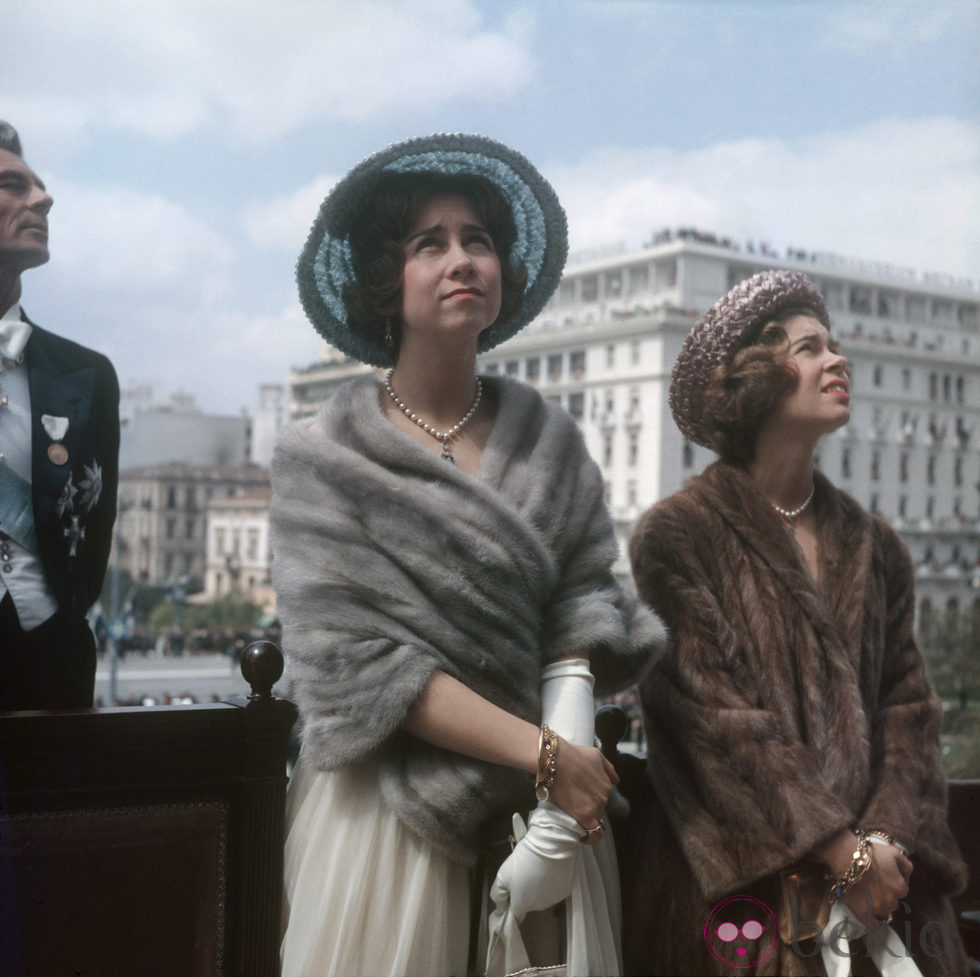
{"x": 365, "y": 896}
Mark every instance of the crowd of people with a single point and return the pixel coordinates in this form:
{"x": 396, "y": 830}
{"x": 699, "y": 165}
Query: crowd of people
{"x": 443, "y": 569}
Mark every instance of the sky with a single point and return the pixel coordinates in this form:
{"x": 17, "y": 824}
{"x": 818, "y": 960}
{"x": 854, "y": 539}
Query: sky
{"x": 188, "y": 143}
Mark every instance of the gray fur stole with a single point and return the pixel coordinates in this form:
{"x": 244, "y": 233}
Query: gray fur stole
{"x": 390, "y": 564}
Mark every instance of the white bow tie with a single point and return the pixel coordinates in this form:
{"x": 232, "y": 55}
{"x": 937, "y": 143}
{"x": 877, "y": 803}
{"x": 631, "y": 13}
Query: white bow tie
{"x": 14, "y": 333}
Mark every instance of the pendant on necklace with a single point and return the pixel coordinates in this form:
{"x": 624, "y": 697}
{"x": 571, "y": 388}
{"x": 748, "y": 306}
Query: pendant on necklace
{"x": 446, "y": 453}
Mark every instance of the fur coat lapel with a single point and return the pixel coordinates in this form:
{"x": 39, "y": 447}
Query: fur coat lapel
{"x": 389, "y": 564}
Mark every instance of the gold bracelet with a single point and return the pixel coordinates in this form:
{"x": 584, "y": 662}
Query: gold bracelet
{"x": 885, "y": 837}
{"x": 547, "y": 763}
{"x": 860, "y": 863}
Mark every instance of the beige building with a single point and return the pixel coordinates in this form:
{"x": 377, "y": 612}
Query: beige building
{"x": 161, "y": 529}
{"x": 238, "y": 555}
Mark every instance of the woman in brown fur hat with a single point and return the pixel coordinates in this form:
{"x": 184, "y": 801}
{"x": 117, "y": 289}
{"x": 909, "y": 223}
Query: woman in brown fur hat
{"x": 795, "y": 799}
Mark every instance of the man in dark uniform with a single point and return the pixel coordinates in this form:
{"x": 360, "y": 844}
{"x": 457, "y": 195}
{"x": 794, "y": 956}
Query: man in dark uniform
{"x": 59, "y": 458}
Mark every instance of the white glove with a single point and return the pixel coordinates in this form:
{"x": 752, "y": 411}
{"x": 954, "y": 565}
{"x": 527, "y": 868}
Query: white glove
{"x": 538, "y": 873}
{"x": 888, "y": 951}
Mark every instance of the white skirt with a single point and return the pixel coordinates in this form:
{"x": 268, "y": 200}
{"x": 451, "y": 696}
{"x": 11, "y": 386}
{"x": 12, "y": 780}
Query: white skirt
{"x": 364, "y": 896}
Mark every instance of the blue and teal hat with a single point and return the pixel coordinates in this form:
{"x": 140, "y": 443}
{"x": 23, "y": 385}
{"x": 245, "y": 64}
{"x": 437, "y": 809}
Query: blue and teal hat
{"x": 326, "y": 263}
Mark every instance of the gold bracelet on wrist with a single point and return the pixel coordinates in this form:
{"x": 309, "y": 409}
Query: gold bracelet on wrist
{"x": 547, "y": 763}
{"x": 881, "y": 835}
{"x": 860, "y": 863}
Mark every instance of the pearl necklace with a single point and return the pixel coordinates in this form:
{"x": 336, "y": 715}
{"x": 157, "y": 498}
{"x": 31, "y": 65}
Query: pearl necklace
{"x": 791, "y": 514}
{"x": 444, "y": 436}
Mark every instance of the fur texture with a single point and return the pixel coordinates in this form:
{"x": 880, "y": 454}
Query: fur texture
{"x": 782, "y": 712}
{"x": 389, "y": 564}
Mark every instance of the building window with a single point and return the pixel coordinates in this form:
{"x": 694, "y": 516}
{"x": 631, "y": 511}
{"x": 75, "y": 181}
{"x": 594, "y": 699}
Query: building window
{"x": 189, "y": 529}
{"x": 252, "y": 547}
{"x": 590, "y": 288}
{"x": 875, "y": 504}
{"x": 614, "y": 282}
{"x": 171, "y": 528}
{"x": 631, "y": 493}
{"x": 576, "y": 364}
{"x": 931, "y": 470}
{"x": 610, "y": 356}
{"x": 687, "y": 454}
{"x": 845, "y": 462}
{"x": 958, "y": 471}
{"x": 875, "y": 465}
{"x": 930, "y": 507}
{"x": 635, "y": 352}
{"x": 903, "y": 467}
{"x": 512, "y": 368}
{"x": 576, "y": 406}
{"x": 634, "y": 448}
{"x": 933, "y": 386}
{"x": 532, "y": 369}
{"x": 903, "y": 504}
{"x": 947, "y": 387}
{"x": 171, "y": 497}
{"x": 878, "y": 372}
{"x": 607, "y": 493}
{"x": 554, "y": 367}
{"x": 639, "y": 279}
{"x": 491, "y": 369}
{"x": 219, "y": 541}
{"x": 960, "y": 387}
{"x": 607, "y": 449}
{"x": 906, "y": 378}
{"x": 860, "y": 299}
{"x": 878, "y": 422}
{"x": 666, "y": 272}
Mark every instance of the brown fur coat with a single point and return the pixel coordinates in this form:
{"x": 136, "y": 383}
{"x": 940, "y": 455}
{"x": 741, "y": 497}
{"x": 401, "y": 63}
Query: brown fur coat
{"x": 782, "y": 712}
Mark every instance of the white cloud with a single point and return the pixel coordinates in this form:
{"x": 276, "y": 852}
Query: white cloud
{"x": 121, "y": 241}
{"x": 900, "y": 191}
{"x": 896, "y": 27}
{"x": 284, "y": 222}
{"x": 167, "y": 67}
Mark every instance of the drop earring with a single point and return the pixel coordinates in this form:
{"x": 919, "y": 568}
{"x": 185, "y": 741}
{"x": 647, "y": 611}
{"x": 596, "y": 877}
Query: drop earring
{"x": 389, "y": 342}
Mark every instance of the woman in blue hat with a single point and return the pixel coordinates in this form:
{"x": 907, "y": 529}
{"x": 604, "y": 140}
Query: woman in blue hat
{"x": 443, "y": 565}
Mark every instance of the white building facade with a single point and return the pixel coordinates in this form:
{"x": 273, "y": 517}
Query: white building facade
{"x": 238, "y": 555}
{"x": 605, "y": 344}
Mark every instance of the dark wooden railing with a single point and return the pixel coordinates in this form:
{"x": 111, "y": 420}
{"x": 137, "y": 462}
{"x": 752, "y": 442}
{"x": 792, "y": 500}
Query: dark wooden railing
{"x": 146, "y": 842}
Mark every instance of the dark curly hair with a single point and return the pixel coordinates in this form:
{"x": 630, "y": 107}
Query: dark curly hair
{"x": 745, "y": 390}
{"x": 379, "y": 227}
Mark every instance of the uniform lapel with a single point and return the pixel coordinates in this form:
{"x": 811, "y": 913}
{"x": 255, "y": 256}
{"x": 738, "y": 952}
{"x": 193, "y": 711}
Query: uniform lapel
{"x": 58, "y": 391}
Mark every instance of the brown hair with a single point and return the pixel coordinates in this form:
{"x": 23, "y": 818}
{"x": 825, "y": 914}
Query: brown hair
{"x": 374, "y": 298}
{"x": 743, "y": 391}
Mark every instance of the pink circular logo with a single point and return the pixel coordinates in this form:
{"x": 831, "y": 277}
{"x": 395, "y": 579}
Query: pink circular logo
{"x": 741, "y": 931}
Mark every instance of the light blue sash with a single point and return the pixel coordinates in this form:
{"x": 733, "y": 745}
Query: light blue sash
{"x": 17, "y": 509}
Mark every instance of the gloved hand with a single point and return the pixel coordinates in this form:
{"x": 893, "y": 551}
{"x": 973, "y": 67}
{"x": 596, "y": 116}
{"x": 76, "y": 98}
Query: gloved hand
{"x": 538, "y": 873}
